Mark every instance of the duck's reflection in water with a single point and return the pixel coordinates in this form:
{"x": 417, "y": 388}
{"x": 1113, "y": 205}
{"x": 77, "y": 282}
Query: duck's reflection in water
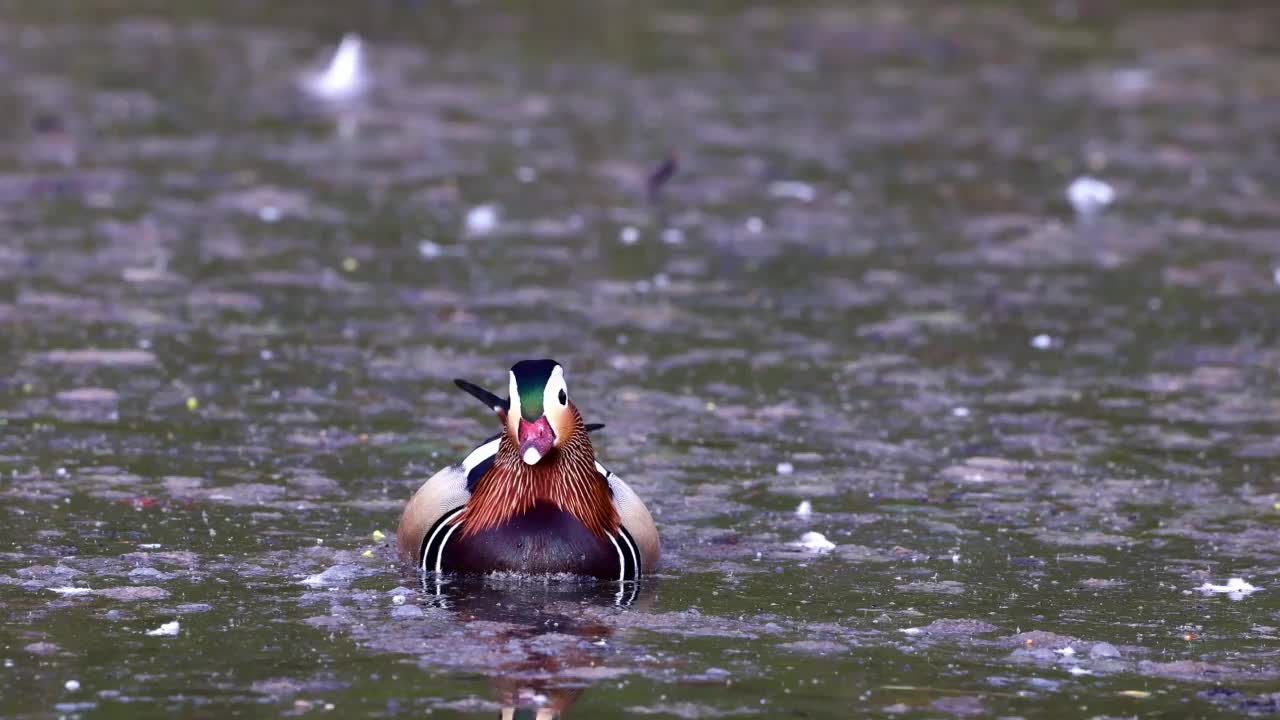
{"x": 551, "y": 648}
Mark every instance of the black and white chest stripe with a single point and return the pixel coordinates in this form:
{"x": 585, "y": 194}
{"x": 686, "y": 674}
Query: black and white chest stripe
{"x": 628, "y": 551}
{"x": 474, "y": 467}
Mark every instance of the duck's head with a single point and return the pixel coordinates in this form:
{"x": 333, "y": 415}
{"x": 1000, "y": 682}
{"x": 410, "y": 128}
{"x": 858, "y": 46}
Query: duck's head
{"x": 541, "y": 418}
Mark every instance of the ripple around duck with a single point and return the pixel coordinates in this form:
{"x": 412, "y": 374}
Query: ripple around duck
{"x": 1025, "y": 440}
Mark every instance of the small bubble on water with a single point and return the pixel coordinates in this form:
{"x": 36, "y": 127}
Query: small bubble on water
{"x": 482, "y": 219}
{"x": 1275, "y": 275}
{"x": 755, "y": 225}
{"x": 804, "y": 509}
{"x": 350, "y": 264}
{"x": 1042, "y": 342}
{"x": 785, "y": 468}
{"x": 270, "y": 214}
{"x": 526, "y": 174}
{"x": 673, "y": 236}
{"x": 60, "y": 472}
{"x": 397, "y": 599}
{"x": 72, "y": 685}
{"x": 1088, "y": 196}
{"x": 629, "y": 235}
{"x": 960, "y": 411}
{"x": 428, "y": 249}
{"x": 266, "y": 354}
{"x": 144, "y": 344}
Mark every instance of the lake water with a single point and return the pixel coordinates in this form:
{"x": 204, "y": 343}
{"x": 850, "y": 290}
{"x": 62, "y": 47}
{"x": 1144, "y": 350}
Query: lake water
{"x": 231, "y": 314}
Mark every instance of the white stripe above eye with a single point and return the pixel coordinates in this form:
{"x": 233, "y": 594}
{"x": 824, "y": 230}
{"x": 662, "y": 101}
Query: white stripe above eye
{"x": 479, "y": 455}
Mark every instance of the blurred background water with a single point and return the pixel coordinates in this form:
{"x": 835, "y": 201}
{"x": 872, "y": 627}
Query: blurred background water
{"x": 1042, "y": 443}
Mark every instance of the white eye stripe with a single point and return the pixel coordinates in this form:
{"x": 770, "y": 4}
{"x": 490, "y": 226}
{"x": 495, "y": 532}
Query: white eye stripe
{"x": 513, "y": 392}
{"x": 555, "y": 385}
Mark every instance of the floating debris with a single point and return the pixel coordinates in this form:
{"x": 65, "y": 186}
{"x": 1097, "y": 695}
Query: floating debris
{"x": 804, "y": 509}
{"x": 72, "y": 590}
{"x": 1129, "y": 81}
{"x": 1236, "y": 588}
{"x": 379, "y": 536}
{"x": 793, "y": 190}
{"x": 270, "y": 214}
{"x": 169, "y": 629}
{"x": 1139, "y": 694}
{"x": 193, "y": 403}
{"x": 1103, "y": 650}
{"x": 1089, "y": 196}
{"x": 816, "y": 542}
{"x": 481, "y": 219}
{"x": 344, "y": 79}
{"x": 335, "y": 576}
{"x": 661, "y": 175}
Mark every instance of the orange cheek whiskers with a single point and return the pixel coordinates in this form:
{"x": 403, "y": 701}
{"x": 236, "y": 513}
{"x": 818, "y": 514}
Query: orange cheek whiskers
{"x": 567, "y": 477}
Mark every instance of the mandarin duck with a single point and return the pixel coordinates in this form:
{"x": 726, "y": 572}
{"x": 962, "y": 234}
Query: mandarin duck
{"x": 531, "y": 499}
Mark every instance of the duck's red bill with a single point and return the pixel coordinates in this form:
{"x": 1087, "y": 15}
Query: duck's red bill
{"x": 536, "y": 439}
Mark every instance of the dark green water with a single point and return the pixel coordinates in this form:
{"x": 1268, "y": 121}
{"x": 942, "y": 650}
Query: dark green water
{"x": 229, "y": 330}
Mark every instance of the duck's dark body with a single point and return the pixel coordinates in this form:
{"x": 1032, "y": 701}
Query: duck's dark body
{"x": 545, "y": 539}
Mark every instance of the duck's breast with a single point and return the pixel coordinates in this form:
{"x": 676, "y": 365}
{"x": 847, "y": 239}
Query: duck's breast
{"x": 545, "y": 539}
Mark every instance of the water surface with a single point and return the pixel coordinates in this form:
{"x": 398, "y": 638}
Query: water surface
{"x": 230, "y": 319}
